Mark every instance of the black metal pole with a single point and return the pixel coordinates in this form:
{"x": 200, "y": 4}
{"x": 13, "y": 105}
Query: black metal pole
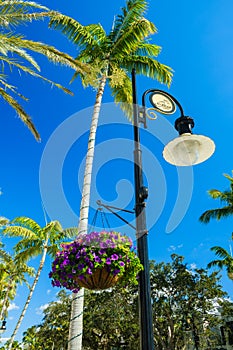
{"x": 145, "y": 307}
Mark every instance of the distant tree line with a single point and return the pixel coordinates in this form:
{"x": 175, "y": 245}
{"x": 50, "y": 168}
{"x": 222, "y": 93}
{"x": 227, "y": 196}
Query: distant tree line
{"x": 189, "y": 308}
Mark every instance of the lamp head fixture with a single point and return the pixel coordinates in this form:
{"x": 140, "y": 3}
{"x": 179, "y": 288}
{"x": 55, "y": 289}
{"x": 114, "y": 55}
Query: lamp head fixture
{"x": 184, "y": 125}
{"x": 188, "y": 149}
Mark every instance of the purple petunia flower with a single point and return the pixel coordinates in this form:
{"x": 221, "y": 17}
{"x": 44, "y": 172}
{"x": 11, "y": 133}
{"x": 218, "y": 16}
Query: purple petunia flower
{"x": 114, "y": 257}
{"x": 103, "y": 245}
{"x": 97, "y": 259}
{"x": 80, "y": 266}
{"x": 66, "y": 262}
{"x": 108, "y": 261}
{"x": 56, "y": 283}
{"x": 121, "y": 263}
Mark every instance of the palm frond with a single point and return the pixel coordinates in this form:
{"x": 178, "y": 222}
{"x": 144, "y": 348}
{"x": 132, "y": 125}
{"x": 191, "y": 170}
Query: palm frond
{"x": 54, "y": 55}
{"x": 51, "y": 227}
{"x": 52, "y": 250}
{"x": 3, "y": 221}
{"x": 27, "y": 269}
{"x": 222, "y": 196}
{"x": 216, "y": 263}
{"x": 20, "y": 111}
{"x": 12, "y": 62}
{"x": 17, "y": 44}
{"x": 8, "y": 6}
{"x": 149, "y": 67}
{"x": 146, "y": 49}
{"x": 76, "y": 32}
{"x": 217, "y": 214}
{"x": 5, "y": 257}
{"x": 12, "y": 88}
{"x": 129, "y": 40}
{"x": 18, "y": 231}
{"x": 26, "y": 222}
{"x": 33, "y": 73}
{"x": 8, "y": 45}
{"x": 14, "y": 12}
{"x": 97, "y": 32}
{"x": 10, "y": 21}
{"x": 123, "y": 96}
{"x": 221, "y": 252}
{"x": 26, "y": 243}
{"x": 132, "y": 12}
{"x": 30, "y": 253}
{"x": 229, "y": 177}
{"x": 70, "y": 232}
{"x": 21, "y": 269}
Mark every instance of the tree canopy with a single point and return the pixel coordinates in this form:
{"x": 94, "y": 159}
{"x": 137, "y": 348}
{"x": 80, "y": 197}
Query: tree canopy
{"x": 189, "y": 306}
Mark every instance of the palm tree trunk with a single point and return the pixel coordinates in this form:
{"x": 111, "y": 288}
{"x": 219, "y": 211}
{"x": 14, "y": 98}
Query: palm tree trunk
{"x": 31, "y": 290}
{"x": 76, "y": 321}
{"x": 4, "y": 305}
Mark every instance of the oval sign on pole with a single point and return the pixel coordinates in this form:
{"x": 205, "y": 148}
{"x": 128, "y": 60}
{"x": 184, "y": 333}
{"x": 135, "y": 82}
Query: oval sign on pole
{"x": 162, "y": 102}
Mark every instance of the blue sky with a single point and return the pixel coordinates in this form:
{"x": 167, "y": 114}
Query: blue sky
{"x": 196, "y": 42}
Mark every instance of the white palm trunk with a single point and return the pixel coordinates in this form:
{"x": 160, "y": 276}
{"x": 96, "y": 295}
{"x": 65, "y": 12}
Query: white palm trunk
{"x": 76, "y": 321}
{"x": 31, "y": 290}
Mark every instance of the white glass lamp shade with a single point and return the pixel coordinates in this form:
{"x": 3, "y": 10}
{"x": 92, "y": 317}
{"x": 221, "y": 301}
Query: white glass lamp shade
{"x": 2, "y": 329}
{"x": 188, "y": 149}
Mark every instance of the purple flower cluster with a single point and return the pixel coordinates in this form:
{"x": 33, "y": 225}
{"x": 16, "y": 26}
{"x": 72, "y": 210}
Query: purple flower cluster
{"x": 92, "y": 251}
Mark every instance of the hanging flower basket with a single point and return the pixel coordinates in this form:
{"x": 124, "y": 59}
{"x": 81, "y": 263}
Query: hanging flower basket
{"x": 101, "y": 278}
{"x": 96, "y": 261}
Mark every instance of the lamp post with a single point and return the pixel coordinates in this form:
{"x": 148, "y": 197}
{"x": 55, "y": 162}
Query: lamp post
{"x": 3, "y": 327}
{"x": 186, "y": 150}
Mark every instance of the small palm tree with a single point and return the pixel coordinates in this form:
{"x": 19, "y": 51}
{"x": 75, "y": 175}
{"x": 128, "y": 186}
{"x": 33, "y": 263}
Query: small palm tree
{"x": 111, "y": 58}
{"x": 225, "y": 197}
{"x": 226, "y": 260}
{"x": 14, "y": 52}
{"x": 12, "y": 273}
{"x": 35, "y": 241}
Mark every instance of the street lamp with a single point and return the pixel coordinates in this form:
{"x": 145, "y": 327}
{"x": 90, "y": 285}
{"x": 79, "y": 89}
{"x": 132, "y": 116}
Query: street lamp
{"x": 185, "y": 150}
{"x": 3, "y": 327}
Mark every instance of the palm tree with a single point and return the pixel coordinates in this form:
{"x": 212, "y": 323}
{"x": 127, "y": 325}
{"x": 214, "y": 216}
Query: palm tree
{"x": 111, "y": 58}
{"x": 35, "y": 241}
{"x": 14, "y": 52}
{"x": 226, "y": 260}
{"x": 224, "y": 197}
{"x": 12, "y": 273}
